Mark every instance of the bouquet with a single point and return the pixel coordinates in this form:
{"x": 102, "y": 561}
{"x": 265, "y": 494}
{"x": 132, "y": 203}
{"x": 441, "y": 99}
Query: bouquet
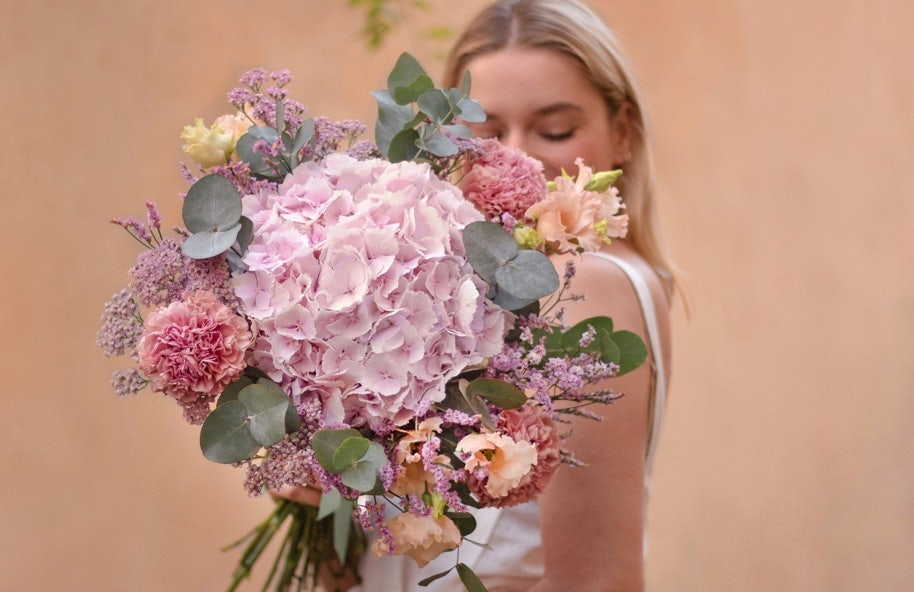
{"x": 377, "y": 320}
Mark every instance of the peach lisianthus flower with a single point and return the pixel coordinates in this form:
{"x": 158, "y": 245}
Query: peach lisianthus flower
{"x": 575, "y": 218}
{"x": 414, "y": 476}
{"x": 421, "y": 537}
{"x": 497, "y": 461}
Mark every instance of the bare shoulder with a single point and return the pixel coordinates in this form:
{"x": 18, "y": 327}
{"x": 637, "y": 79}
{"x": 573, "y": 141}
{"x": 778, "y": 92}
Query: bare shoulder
{"x": 608, "y": 290}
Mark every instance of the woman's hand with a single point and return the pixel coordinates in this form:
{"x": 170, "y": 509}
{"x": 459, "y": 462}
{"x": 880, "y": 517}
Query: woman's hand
{"x": 304, "y": 495}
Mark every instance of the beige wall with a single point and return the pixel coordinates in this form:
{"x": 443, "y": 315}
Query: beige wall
{"x": 785, "y": 145}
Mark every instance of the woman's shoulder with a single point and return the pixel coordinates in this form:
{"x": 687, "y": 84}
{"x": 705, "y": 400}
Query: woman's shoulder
{"x": 608, "y": 286}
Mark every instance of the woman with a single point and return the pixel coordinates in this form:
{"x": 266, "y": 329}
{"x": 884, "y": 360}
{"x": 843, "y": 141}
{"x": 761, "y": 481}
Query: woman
{"x": 553, "y": 83}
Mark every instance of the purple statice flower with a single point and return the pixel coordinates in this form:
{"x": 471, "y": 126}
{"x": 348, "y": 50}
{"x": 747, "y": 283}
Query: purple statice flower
{"x": 128, "y": 382}
{"x": 240, "y": 97}
{"x": 287, "y": 463}
{"x": 254, "y": 78}
{"x": 388, "y": 474}
{"x": 281, "y": 77}
{"x": 364, "y": 150}
{"x": 212, "y": 275}
{"x": 158, "y": 277}
{"x": 197, "y": 410}
{"x": 456, "y": 417}
{"x": 121, "y": 325}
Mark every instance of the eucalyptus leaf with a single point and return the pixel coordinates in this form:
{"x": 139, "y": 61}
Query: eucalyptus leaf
{"x": 404, "y": 95}
{"x": 471, "y": 111}
{"x": 363, "y": 476}
{"x": 405, "y": 72}
{"x": 633, "y": 350}
{"x": 342, "y": 528}
{"x": 212, "y": 203}
{"x": 256, "y": 161}
{"x": 488, "y": 247}
{"x": 508, "y": 301}
{"x": 403, "y": 146}
{"x": 437, "y": 576}
{"x": 225, "y": 437}
{"x": 303, "y": 135}
{"x": 349, "y": 453}
{"x": 464, "y": 521}
{"x": 530, "y": 275}
{"x": 325, "y": 442}
{"x": 458, "y": 131}
{"x": 230, "y": 393}
{"x": 572, "y": 336}
{"x": 245, "y": 235}
{"x": 263, "y": 132}
{"x": 280, "y": 118}
{"x": 293, "y": 421}
{"x": 330, "y": 501}
{"x": 478, "y": 407}
{"x": 206, "y": 244}
{"x": 392, "y": 119}
{"x": 266, "y": 413}
{"x": 470, "y": 580}
{"x": 439, "y": 144}
{"x": 497, "y": 392}
{"x": 465, "y": 83}
{"x": 435, "y": 104}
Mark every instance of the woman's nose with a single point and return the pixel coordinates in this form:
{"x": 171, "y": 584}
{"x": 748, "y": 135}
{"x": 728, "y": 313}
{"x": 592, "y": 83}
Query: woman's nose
{"x": 513, "y": 139}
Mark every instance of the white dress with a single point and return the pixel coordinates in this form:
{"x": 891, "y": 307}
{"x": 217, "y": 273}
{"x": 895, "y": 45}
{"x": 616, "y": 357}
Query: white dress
{"x": 513, "y": 560}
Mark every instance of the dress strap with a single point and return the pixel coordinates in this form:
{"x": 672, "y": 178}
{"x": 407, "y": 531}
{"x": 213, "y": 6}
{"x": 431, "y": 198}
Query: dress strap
{"x": 657, "y": 403}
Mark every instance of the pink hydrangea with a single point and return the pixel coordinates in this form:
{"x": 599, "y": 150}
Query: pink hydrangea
{"x": 360, "y": 288}
{"x": 525, "y": 424}
{"x": 503, "y": 180}
{"x": 194, "y": 347}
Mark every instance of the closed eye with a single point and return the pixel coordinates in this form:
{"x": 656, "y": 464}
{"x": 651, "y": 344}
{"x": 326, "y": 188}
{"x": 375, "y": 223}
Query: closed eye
{"x": 558, "y": 137}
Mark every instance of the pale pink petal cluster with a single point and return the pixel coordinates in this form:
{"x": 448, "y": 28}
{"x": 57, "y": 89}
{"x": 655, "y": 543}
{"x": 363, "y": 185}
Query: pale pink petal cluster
{"x": 503, "y": 179}
{"x": 572, "y": 218}
{"x": 496, "y": 462}
{"x": 194, "y": 347}
{"x": 421, "y": 537}
{"x": 528, "y": 424}
{"x": 359, "y": 285}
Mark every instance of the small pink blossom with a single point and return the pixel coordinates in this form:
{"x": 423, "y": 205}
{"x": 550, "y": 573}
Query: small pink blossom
{"x": 421, "y": 537}
{"x": 503, "y": 180}
{"x": 194, "y": 347}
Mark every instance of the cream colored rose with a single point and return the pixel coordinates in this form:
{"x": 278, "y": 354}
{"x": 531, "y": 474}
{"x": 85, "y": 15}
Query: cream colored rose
{"x": 501, "y": 458}
{"x": 209, "y": 147}
{"x": 421, "y": 537}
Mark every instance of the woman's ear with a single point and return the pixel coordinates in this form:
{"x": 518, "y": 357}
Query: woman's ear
{"x": 622, "y": 133}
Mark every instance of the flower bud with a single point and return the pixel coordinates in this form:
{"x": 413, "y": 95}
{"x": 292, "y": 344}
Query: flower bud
{"x": 527, "y": 237}
{"x": 602, "y": 181}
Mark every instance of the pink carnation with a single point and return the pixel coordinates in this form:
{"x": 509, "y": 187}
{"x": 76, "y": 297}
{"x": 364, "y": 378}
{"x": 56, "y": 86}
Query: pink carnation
{"x": 504, "y": 180}
{"x": 194, "y": 347}
{"x": 526, "y": 424}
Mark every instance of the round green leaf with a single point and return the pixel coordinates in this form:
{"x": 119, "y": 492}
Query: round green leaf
{"x": 363, "y": 475}
{"x": 293, "y": 421}
{"x": 325, "y": 443}
{"x": 349, "y": 453}
{"x": 572, "y": 336}
{"x": 434, "y": 103}
{"x": 632, "y": 350}
{"x": 211, "y": 204}
{"x": 206, "y": 244}
{"x": 530, "y": 275}
{"x": 231, "y": 391}
{"x": 225, "y": 437}
{"x": 497, "y": 392}
{"x": 403, "y": 146}
{"x": 266, "y": 411}
{"x": 464, "y": 521}
{"x": 488, "y": 247}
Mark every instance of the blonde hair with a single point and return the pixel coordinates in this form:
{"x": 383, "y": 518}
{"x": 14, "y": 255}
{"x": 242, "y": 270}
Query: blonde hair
{"x": 569, "y": 27}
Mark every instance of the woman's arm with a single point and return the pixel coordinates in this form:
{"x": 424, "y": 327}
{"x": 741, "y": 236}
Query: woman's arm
{"x": 593, "y": 517}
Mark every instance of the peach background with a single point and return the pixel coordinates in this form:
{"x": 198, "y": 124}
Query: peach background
{"x": 785, "y": 145}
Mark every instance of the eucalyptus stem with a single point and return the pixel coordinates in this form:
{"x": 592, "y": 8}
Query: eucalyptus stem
{"x": 263, "y": 534}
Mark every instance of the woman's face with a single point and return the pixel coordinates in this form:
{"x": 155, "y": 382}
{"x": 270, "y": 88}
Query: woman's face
{"x": 541, "y": 101}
